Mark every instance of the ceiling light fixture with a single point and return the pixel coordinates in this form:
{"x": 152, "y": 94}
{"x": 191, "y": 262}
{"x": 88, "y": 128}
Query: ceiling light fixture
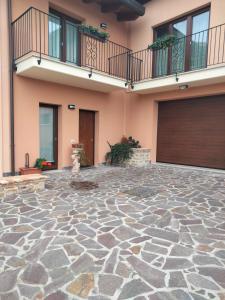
{"x": 183, "y": 86}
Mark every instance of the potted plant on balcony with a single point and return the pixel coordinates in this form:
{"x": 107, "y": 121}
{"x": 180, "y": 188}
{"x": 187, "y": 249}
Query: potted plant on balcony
{"x": 94, "y": 32}
{"x": 164, "y": 42}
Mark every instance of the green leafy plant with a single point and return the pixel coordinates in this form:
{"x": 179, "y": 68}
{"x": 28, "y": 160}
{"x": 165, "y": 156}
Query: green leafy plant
{"x": 131, "y": 142}
{"x": 94, "y": 31}
{"x": 39, "y": 163}
{"x": 119, "y": 153}
{"x": 164, "y": 42}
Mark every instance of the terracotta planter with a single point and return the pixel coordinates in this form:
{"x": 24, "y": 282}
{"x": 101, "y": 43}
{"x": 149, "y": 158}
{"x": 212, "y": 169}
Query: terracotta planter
{"x": 28, "y": 171}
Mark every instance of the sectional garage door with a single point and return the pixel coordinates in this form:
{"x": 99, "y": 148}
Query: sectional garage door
{"x": 192, "y": 132}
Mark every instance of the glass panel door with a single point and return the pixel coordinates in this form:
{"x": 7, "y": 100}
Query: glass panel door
{"x": 161, "y": 56}
{"x": 71, "y": 42}
{"x": 54, "y": 36}
{"x": 179, "y": 49}
{"x": 48, "y": 133}
{"x": 199, "y": 40}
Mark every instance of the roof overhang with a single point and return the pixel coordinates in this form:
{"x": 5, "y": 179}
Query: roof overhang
{"x": 126, "y": 10}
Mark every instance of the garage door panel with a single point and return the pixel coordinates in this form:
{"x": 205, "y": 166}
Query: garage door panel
{"x": 192, "y": 132}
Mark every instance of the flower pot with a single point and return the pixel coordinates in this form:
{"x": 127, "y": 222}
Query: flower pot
{"x": 28, "y": 171}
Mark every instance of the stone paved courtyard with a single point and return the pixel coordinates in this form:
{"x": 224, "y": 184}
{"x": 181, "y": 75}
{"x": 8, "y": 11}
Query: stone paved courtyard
{"x": 153, "y": 233}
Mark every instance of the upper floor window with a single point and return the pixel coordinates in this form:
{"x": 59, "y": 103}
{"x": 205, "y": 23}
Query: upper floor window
{"x": 190, "y": 51}
{"x": 64, "y": 37}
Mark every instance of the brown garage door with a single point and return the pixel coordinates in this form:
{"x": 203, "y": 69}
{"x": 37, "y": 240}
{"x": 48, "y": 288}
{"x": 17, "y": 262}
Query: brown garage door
{"x": 192, "y": 132}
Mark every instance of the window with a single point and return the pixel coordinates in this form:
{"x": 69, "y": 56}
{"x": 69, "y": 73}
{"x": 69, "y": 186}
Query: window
{"x": 190, "y": 51}
{"x": 64, "y": 38}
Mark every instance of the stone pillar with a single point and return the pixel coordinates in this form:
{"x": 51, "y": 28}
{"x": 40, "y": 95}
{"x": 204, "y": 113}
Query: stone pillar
{"x": 76, "y": 160}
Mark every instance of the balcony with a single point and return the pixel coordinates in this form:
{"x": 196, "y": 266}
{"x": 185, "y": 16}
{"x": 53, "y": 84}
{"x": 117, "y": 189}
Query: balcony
{"x": 194, "y": 60}
{"x": 80, "y": 60}
{"x": 84, "y": 61}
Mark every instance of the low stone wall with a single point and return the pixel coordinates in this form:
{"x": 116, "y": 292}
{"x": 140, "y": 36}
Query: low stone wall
{"x": 140, "y": 157}
{"x": 21, "y": 184}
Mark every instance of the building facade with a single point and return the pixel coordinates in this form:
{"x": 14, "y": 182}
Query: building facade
{"x": 71, "y": 85}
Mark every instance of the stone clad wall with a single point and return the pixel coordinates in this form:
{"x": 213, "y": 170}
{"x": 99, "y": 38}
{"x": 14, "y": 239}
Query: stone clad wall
{"x": 21, "y": 184}
{"x": 140, "y": 157}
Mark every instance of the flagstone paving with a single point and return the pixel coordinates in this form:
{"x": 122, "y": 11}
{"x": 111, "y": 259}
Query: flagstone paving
{"x": 139, "y": 233}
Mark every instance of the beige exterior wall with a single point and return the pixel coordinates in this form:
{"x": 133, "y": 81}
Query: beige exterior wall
{"x": 162, "y": 11}
{"x": 109, "y": 108}
{"x": 4, "y": 91}
{"x": 117, "y": 113}
{"x": 143, "y": 111}
{"x": 87, "y": 13}
{"x": 144, "y": 108}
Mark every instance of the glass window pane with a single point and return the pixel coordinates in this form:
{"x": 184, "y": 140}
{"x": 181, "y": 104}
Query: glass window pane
{"x": 47, "y": 133}
{"x": 178, "y": 50}
{"x": 161, "y": 56}
{"x": 199, "y": 41}
{"x": 71, "y": 42}
{"x": 54, "y": 33}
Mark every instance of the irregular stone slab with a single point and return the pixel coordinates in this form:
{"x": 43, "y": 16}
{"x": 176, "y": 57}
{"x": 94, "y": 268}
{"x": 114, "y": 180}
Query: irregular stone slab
{"x": 173, "y": 295}
{"x": 7, "y": 250}
{"x": 58, "y": 283}
{"x": 179, "y": 250}
{"x": 177, "y": 264}
{"x": 218, "y": 274}
{"x": 177, "y": 280}
{"x": 10, "y": 296}
{"x": 12, "y": 237}
{"x": 98, "y": 253}
{"x": 204, "y": 260}
{"x": 85, "y": 230}
{"x": 28, "y": 291}
{"x": 140, "y": 239}
{"x": 164, "y": 220}
{"x": 125, "y": 233}
{"x": 82, "y": 264}
{"x": 191, "y": 221}
{"x": 8, "y": 280}
{"x": 134, "y": 288}
{"x": 220, "y": 254}
{"x": 57, "y": 296}
{"x": 123, "y": 270}
{"x": 55, "y": 259}
{"x": 37, "y": 250}
{"x": 148, "y": 257}
{"x": 82, "y": 285}
{"x": 135, "y": 249}
{"x": 153, "y": 276}
{"x": 73, "y": 249}
{"x": 111, "y": 262}
{"x": 201, "y": 282}
{"x": 163, "y": 234}
{"x": 35, "y": 274}
{"x": 90, "y": 244}
{"x": 155, "y": 249}
{"x": 23, "y": 228}
{"x": 16, "y": 262}
{"x": 108, "y": 284}
{"x": 108, "y": 240}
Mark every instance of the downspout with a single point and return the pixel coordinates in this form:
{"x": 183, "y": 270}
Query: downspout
{"x": 12, "y": 131}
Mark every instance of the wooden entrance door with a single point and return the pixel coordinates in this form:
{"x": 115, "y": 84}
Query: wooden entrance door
{"x": 87, "y": 134}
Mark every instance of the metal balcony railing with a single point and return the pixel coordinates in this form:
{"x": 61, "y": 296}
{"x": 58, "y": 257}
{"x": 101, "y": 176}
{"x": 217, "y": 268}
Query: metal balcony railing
{"x": 193, "y": 52}
{"x": 41, "y": 33}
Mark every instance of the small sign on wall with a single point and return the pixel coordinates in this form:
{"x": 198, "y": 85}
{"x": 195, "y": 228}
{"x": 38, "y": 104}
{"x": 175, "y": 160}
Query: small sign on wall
{"x": 71, "y": 106}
